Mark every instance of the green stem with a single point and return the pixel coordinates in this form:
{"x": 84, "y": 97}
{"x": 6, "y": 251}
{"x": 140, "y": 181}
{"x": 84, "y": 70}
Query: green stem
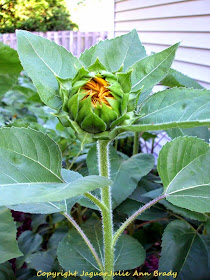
{"x": 134, "y": 216}
{"x": 96, "y": 201}
{"x": 85, "y": 238}
{"x": 136, "y": 143}
{"x": 103, "y": 165}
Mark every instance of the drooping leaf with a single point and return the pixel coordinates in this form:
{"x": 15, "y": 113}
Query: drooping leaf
{"x": 44, "y": 192}
{"x": 10, "y": 68}
{"x": 123, "y": 51}
{"x": 52, "y": 207}
{"x": 31, "y": 170}
{"x": 43, "y": 59}
{"x": 184, "y": 251}
{"x": 152, "y": 69}
{"x": 8, "y": 244}
{"x": 128, "y": 252}
{"x": 46, "y": 207}
{"x": 175, "y": 78}
{"x": 174, "y": 108}
{"x": 6, "y": 272}
{"x": 183, "y": 166}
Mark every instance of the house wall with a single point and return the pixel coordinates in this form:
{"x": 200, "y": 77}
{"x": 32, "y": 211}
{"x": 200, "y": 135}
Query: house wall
{"x": 161, "y": 23}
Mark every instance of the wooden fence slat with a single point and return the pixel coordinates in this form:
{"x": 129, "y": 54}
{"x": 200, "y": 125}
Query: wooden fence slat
{"x": 78, "y": 43}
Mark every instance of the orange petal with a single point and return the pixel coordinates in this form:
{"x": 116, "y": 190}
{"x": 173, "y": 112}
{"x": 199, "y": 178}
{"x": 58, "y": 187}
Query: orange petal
{"x": 101, "y": 81}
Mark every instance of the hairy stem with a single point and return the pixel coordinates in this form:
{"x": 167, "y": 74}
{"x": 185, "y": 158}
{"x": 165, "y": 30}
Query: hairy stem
{"x": 96, "y": 201}
{"x": 85, "y": 238}
{"x": 103, "y": 166}
{"x": 134, "y": 216}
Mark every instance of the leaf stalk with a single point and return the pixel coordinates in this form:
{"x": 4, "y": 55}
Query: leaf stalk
{"x": 134, "y": 216}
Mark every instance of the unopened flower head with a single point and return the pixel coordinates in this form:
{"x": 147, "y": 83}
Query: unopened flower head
{"x": 98, "y": 100}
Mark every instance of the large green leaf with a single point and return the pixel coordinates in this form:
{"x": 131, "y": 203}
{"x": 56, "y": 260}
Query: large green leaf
{"x": 193, "y": 215}
{"x": 10, "y": 68}
{"x": 129, "y": 174}
{"x": 200, "y": 132}
{"x": 43, "y": 59}
{"x": 123, "y": 51}
{"x": 152, "y": 69}
{"x": 183, "y": 166}
{"x": 124, "y": 173}
{"x": 129, "y": 253}
{"x": 12, "y": 194}
{"x": 46, "y": 207}
{"x": 31, "y": 170}
{"x": 184, "y": 252}
{"x": 27, "y": 155}
{"x": 8, "y": 244}
{"x": 175, "y": 78}
{"x": 52, "y": 207}
{"x": 74, "y": 255}
{"x": 177, "y": 107}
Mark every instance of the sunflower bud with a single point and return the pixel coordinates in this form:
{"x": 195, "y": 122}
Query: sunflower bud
{"x": 97, "y": 100}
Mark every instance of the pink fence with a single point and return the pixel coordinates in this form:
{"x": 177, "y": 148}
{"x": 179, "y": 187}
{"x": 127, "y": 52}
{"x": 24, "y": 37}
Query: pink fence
{"x": 75, "y": 42}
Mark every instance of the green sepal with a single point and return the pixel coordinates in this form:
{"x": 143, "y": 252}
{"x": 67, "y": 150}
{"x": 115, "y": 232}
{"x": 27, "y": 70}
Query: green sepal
{"x": 119, "y": 121}
{"x": 120, "y": 69}
{"x": 124, "y": 79}
{"x": 77, "y": 85}
{"x": 85, "y": 108}
{"x": 80, "y": 79}
{"x": 108, "y": 115}
{"x": 110, "y": 78}
{"x": 73, "y": 106}
{"x": 82, "y": 135}
{"x": 63, "y": 118}
{"x": 80, "y": 74}
{"x": 133, "y": 99}
{"x": 132, "y": 118}
{"x": 124, "y": 104}
{"x": 65, "y": 86}
{"x": 115, "y": 104}
{"x": 116, "y": 89}
{"x": 93, "y": 124}
{"x": 96, "y": 66}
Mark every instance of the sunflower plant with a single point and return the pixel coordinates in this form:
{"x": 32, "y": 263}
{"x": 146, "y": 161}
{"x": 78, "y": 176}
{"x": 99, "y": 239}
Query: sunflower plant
{"x": 101, "y": 95}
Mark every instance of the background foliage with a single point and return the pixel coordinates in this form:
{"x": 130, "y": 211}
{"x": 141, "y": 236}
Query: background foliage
{"x": 34, "y": 15}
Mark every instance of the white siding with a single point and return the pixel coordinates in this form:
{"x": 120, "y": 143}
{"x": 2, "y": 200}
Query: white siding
{"x": 161, "y": 23}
